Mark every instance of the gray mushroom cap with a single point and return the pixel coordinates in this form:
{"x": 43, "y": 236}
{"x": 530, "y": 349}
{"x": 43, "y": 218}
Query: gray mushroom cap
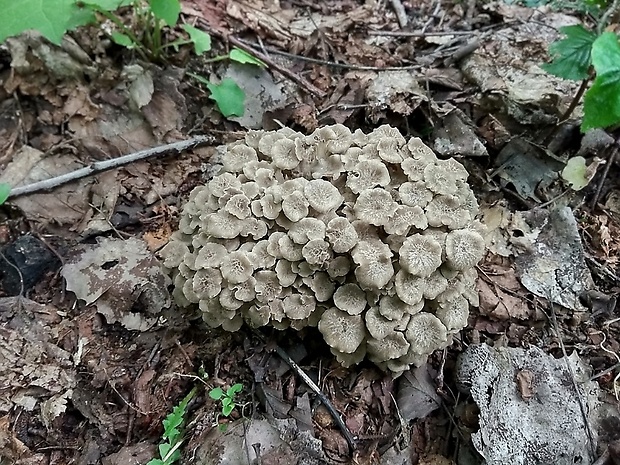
{"x": 464, "y": 248}
{"x": 420, "y": 255}
{"x": 350, "y": 298}
{"x": 426, "y": 333}
{"x": 342, "y": 331}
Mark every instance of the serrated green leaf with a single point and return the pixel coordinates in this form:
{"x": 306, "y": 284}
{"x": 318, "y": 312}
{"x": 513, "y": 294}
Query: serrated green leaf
{"x": 228, "y": 96}
{"x": 601, "y": 104}
{"x": 241, "y": 56}
{"x": 166, "y": 10}
{"x": 216, "y": 393}
{"x": 122, "y": 39}
{"x": 571, "y": 56}
{"x": 51, "y": 18}
{"x": 200, "y": 39}
{"x": 5, "y": 190}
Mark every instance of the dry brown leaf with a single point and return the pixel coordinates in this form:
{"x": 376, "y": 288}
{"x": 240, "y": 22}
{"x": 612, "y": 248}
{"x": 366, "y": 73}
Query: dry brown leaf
{"x": 115, "y": 275}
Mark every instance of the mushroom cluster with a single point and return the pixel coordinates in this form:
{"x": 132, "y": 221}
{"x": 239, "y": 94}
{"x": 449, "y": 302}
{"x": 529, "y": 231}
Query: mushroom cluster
{"x": 369, "y": 237}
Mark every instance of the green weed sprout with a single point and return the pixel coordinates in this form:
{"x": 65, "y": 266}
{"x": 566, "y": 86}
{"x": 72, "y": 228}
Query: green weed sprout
{"x": 173, "y": 433}
{"x": 227, "y": 397}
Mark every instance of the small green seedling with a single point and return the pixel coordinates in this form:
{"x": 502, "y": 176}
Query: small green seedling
{"x": 173, "y": 433}
{"x": 228, "y": 96}
{"x": 5, "y": 190}
{"x": 227, "y": 397}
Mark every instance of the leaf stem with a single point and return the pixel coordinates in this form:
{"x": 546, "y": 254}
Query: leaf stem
{"x": 602, "y": 24}
{"x": 217, "y": 58}
{"x": 576, "y": 98}
{"x": 569, "y": 110}
{"x": 127, "y": 31}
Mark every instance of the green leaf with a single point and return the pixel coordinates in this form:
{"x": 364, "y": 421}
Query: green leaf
{"x": 571, "y": 56}
{"x": 575, "y": 172}
{"x": 166, "y": 10}
{"x": 51, "y": 18}
{"x": 227, "y": 409}
{"x": 176, "y": 455}
{"x": 216, "y": 393}
{"x": 201, "y": 40}
{"x": 226, "y": 401}
{"x": 601, "y": 104}
{"x": 122, "y": 39}
{"x": 155, "y": 462}
{"x": 164, "y": 448}
{"x": 241, "y": 56}
{"x": 228, "y": 96}
{"x": 5, "y": 190}
{"x": 235, "y": 388}
{"x": 106, "y": 5}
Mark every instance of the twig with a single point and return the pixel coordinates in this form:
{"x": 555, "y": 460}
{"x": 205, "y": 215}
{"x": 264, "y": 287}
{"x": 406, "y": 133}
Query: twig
{"x": 569, "y": 367}
{"x": 106, "y": 165}
{"x": 351, "y": 440}
{"x": 602, "y": 24}
{"x": 601, "y": 269}
{"x": 332, "y": 64}
{"x": 604, "y": 372}
{"x": 432, "y": 17}
{"x": 554, "y": 199}
{"x": 602, "y": 460}
{"x": 265, "y": 59}
{"x": 421, "y": 33}
{"x": 401, "y": 15}
{"x": 599, "y": 188}
{"x": 17, "y": 270}
{"x": 463, "y": 51}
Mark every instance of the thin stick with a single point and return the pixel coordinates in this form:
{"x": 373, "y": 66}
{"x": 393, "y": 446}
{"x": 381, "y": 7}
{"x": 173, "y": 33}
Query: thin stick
{"x": 605, "y": 18}
{"x": 267, "y": 60}
{"x": 463, "y": 51}
{"x": 420, "y": 34}
{"x": 401, "y": 15}
{"x": 432, "y": 17}
{"x": 332, "y": 64}
{"x": 569, "y": 367}
{"x": 599, "y": 188}
{"x": 351, "y": 440}
{"x": 311, "y": 384}
{"x": 106, "y": 165}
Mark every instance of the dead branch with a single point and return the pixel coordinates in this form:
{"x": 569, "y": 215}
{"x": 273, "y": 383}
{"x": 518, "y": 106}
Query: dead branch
{"x": 351, "y": 440}
{"x": 401, "y": 15}
{"x": 268, "y": 61}
{"x": 105, "y": 165}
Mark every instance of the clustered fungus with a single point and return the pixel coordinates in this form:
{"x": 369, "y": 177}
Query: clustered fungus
{"x": 368, "y": 237}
